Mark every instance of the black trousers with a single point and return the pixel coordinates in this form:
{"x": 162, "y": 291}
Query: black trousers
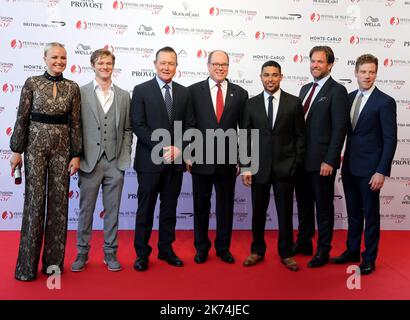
{"x": 314, "y": 190}
{"x": 167, "y": 184}
{"x": 283, "y": 193}
{"x": 225, "y": 192}
{"x": 363, "y": 210}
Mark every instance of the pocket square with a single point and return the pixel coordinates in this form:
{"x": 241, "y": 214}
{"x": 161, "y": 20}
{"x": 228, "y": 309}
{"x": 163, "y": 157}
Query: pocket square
{"x": 322, "y": 99}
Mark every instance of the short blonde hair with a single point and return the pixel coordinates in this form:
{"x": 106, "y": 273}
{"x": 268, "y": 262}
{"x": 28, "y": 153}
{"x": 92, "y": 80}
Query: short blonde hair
{"x": 52, "y": 45}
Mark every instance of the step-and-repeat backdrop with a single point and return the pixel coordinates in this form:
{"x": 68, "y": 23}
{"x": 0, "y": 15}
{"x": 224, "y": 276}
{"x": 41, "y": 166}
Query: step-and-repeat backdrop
{"x": 250, "y": 31}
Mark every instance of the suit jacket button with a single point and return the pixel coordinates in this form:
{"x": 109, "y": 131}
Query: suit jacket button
{"x": 98, "y": 143}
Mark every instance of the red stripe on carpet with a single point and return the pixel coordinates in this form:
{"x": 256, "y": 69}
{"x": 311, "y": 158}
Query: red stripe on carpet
{"x": 213, "y": 280}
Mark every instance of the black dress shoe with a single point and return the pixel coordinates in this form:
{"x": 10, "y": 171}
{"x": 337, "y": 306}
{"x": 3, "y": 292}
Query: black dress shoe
{"x": 200, "y": 257}
{"x": 346, "y": 257}
{"x": 367, "y": 267}
{"x": 319, "y": 260}
{"x": 306, "y": 250}
{"x": 171, "y": 259}
{"x": 141, "y": 264}
{"x": 226, "y": 257}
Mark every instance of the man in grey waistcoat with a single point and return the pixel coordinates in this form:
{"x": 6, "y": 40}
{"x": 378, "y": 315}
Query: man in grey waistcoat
{"x": 107, "y": 139}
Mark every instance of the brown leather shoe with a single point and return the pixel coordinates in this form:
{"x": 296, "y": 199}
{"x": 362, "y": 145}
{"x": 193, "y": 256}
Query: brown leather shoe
{"x": 253, "y": 259}
{"x": 290, "y": 263}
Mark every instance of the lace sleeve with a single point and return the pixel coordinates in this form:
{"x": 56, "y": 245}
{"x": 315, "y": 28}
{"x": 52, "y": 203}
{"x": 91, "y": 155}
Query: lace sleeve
{"x": 18, "y": 140}
{"x": 76, "y": 140}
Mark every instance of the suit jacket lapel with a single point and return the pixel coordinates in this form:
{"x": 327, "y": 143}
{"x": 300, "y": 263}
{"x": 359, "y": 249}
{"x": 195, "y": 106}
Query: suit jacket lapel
{"x": 370, "y": 102}
{"x": 117, "y": 100}
{"x": 209, "y": 104}
{"x": 174, "y": 99}
{"x": 228, "y": 99}
{"x": 280, "y": 109}
{"x": 305, "y": 91}
{"x": 93, "y": 100}
{"x": 260, "y": 110}
{"x": 322, "y": 93}
{"x": 160, "y": 98}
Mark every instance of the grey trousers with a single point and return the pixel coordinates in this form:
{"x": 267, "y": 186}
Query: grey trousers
{"x": 111, "y": 180}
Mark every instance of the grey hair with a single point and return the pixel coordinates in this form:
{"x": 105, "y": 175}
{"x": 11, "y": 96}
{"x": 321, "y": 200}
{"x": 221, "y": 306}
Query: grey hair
{"x": 212, "y": 52}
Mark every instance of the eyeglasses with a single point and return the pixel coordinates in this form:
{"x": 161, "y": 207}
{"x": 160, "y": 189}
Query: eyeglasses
{"x": 220, "y": 65}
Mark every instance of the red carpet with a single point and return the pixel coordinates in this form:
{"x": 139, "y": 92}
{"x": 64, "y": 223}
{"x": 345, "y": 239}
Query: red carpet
{"x": 213, "y": 280}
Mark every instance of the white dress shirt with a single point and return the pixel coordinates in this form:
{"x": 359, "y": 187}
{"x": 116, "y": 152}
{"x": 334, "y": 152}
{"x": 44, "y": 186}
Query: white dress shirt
{"x": 320, "y": 84}
{"x": 106, "y": 100}
{"x": 275, "y": 102}
{"x": 162, "y": 84}
{"x": 214, "y": 90}
{"x": 366, "y": 95}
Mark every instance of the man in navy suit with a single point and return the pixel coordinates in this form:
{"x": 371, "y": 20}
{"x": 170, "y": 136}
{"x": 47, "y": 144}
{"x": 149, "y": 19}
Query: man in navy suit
{"x": 278, "y": 117}
{"x": 158, "y": 104}
{"x": 217, "y": 105}
{"x": 326, "y": 109}
{"x": 370, "y": 147}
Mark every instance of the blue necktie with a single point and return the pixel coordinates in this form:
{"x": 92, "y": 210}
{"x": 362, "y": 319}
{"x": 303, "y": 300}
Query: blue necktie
{"x": 168, "y": 103}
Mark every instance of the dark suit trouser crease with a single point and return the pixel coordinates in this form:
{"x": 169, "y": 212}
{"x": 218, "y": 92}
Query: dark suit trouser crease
{"x": 283, "y": 192}
{"x": 225, "y": 192}
{"x": 167, "y": 184}
{"x": 321, "y": 194}
{"x": 306, "y": 209}
{"x": 363, "y": 210}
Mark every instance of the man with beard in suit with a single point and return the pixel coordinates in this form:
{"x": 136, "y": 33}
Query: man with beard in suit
{"x": 326, "y": 110}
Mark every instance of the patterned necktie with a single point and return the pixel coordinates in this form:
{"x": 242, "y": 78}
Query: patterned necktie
{"x": 309, "y": 99}
{"x": 219, "y": 103}
{"x": 270, "y": 111}
{"x": 168, "y": 103}
{"x": 356, "y": 110}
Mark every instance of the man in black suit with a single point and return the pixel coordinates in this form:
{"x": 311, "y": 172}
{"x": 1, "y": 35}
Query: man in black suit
{"x": 278, "y": 117}
{"x": 156, "y": 104}
{"x": 217, "y": 104}
{"x": 326, "y": 109}
{"x": 370, "y": 147}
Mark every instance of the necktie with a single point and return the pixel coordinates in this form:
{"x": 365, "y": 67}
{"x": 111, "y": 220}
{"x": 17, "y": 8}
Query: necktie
{"x": 270, "y": 111}
{"x": 168, "y": 103}
{"x": 219, "y": 103}
{"x": 356, "y": 110}
{"x": 309, "y": 99}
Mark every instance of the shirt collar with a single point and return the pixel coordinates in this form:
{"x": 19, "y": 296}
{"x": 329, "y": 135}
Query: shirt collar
{"x": 213, "y": 83}
{"x": 322, "y": 81}
{"x": 96, "y": 85}
{"x": 276, "y": 95}
{"x": 163, "y": 83}
{"x": 368, "y": 92}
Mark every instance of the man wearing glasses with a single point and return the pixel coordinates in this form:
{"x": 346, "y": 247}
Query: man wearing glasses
{"x": 217, "y": 104}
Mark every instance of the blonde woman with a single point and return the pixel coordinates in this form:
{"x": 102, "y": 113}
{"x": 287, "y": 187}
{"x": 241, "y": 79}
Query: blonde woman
{"x": 48, "y": 132}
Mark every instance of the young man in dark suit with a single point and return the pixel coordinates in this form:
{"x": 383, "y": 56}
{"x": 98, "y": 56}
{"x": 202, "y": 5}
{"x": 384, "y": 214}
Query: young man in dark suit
{"x": 326, "y": 111}
{"x": 278, "y": 117}
{"x": 158, "y": 104}
{"x": 217, "y": 104}
{"x": 370, "y": 147}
